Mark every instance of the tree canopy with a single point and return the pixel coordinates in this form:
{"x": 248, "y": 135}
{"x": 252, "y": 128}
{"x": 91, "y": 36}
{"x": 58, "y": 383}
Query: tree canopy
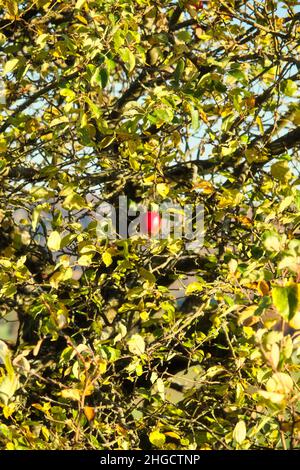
{"x": 187, "y": 102}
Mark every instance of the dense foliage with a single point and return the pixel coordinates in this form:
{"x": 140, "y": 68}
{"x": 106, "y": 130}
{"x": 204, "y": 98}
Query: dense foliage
{"x": 156, "y": 100}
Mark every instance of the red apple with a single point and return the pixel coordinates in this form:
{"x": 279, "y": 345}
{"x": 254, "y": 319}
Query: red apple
{"x": 150, "y": 223}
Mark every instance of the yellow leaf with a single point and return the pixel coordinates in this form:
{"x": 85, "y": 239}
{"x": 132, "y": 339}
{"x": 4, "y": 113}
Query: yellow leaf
{"x": 276, "y": 398}
{"x": 54, "y": 241}
{"x": 89, "y": 412}
{"x": 172, "y": 434}
{"x": 71, "y": 394}
{"x": 157, "y": 438}
{"x": 274, "y": 355}
{"x": 89, "y": 390}
{"x": 74, "y": 202}
{"x": 107, "y": 258}
{"x": 239, "y": 432}
{"x": 295, "y": 321}
{"x": 81, "y": 19}
{"x": 9, "y": 409}
{"x": 10, "y": 65}
{"x": 193, "y": 287}
{"x": 162, "y": 189}
{"x": 281, "y": 171}
{"x": 10, "y": 446}
{"x": 206, "y": 187}
{"x": 85, "y": 260}
{"x": 280, "y": 383}
{"x": 136, "y": 344}
{"x": 12, "y": 7}
{"x": 79, "y": 4}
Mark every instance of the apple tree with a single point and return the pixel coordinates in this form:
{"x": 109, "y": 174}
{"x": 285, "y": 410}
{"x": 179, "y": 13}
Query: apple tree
{"x": 142, "y": 342}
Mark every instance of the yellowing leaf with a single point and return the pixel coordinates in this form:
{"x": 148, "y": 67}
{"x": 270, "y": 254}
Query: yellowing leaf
{"x": 239, "y": 432}
{"x": 10, "y": 66}
{"x": 147, "y": 275}
{"x": 157, "y": 438}
{"x": 128, "y": 57}
{"x": 263, "y": 287}
{"x": 60, "y": 276}
{"x": 136, "y": 344}
{"x": 295, "y": 321}
{"x": 276, "y": 398}
{"x": 89, "y": 412}
{"x": 230, "y": 198}
{"x": 85, "y": 260}
{"x": 107, "y": 258}
{"x": 274, "y": 355}
{"x": 79, "y": 4}
{"x": 280, "y": 170}
{"x": 81, "y": 19}
{"x": 280, "y": 383}
{"x": 12, "y": 7}
{"x": 193, "y": 287}
{"x": 162, "y": 189}
{"x": 10, "y": 446}
{"x": 271, "y": 241}
{"x": 74, "y": 202}
{"x": 206, "y": 187}
{"x": 71, "y": 394}
{"x": 173, "y": 435}
{"x": 233, "y": 264}
{"x": 54, "y": 240}
{"x": 9, "y": 409}
{"x": 8, "y": 386}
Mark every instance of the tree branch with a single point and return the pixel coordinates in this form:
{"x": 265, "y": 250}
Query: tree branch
{"x": 36, "y": 96}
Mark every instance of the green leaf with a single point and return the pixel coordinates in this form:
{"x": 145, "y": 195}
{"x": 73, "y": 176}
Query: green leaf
{"x": 286, "y": 300}
{"x": 128, "y": 58}
{"x": 100, "y": 77}
{"x": 54, "y": 240}
{"x": 103, "y": 77}
{"x": 147, "y": 275}
{"x": 195, "y": 118}
{"x": 179, "y": 70}
{"x": 290, "y": 88}
{"x": 280, "y": 170}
